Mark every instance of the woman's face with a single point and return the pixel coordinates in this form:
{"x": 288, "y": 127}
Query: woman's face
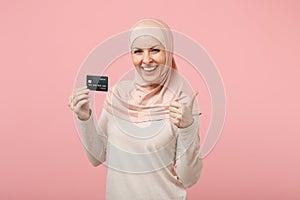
{"x": 149, "y": 57}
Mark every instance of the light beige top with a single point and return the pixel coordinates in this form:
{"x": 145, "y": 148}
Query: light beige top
{"x": 145, "y": 161}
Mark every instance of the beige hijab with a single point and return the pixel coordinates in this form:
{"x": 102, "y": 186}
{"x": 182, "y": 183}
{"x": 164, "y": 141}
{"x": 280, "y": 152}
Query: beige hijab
{"x": 138, "y": 100}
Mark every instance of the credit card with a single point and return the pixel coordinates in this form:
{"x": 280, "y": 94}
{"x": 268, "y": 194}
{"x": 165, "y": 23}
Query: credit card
{"x": 97, "y": 83}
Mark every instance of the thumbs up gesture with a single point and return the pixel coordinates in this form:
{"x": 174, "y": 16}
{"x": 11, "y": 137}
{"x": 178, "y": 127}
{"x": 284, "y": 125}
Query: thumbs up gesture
{"x": 181, "y": 114}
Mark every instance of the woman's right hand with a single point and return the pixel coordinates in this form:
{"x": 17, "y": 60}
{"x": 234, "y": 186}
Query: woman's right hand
{"x": 79, "y": 103}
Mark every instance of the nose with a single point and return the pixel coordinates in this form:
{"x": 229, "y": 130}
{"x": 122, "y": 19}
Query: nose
{"x": 147, "y": 58}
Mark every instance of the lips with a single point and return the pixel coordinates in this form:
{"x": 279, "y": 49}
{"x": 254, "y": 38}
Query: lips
{"x": 149, "y": 69}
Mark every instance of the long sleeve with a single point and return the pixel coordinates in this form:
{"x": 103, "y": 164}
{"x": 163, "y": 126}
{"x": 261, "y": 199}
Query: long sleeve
{"x": 188, "y": 163}
{"x": 93, "y": 138}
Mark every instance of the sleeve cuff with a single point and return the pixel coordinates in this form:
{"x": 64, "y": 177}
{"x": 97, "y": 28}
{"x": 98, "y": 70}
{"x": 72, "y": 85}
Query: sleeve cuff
{"x": 85, "y": 122}
{"x": 187, "y": 135}
{"x": 190, "y": 129}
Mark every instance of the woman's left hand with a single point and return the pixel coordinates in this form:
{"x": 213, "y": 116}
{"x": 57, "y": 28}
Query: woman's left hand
{"x": 181, "y": 114}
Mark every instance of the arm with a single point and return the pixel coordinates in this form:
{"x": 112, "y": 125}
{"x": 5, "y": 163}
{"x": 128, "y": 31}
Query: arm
{"x": 93, "y": 138}
{"x": 188, "y": 163}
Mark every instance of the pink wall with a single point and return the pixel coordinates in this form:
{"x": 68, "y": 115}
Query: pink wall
{"x": 255, "y": 45}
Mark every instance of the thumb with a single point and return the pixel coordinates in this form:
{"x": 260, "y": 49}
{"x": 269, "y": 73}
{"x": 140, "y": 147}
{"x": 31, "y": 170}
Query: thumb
{"x": 190, "y": 104}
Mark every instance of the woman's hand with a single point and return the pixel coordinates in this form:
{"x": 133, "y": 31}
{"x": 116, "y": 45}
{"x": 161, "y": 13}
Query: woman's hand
{"x": 79, "y": 103}
{"x": 181, "y": 114}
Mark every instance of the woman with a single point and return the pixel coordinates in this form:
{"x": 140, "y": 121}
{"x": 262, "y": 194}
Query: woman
{"x": 148, "y": 130}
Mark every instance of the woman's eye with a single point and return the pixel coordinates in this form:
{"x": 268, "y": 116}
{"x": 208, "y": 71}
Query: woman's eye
{"x": 156, "y": 50}
{"x": 137, "y": 51}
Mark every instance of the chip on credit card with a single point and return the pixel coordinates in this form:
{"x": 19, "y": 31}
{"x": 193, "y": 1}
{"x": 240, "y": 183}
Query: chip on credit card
{"x": 97, "y": 83}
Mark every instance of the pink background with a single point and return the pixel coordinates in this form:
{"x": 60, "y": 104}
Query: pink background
{"x": 255, "y": 45}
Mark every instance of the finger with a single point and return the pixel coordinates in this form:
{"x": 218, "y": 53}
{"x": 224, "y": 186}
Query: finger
{"x": 79, "y": 98}
{"x": 76, "y": 96}
{"x": 175, "y": 104}
{"x": 79, "y": 89}
{"x": 173, "y": 115}
{"x": 70, "y": 103}
{"x": 84, "y": 91}
{"x": 70, "y": 100}
{"x": 192, "y": 99}
{"x": 175, "y": 110}
{"x": 175, "y": 121}
{"x": 75, "y": 93}
{"x": 80, "y": 104}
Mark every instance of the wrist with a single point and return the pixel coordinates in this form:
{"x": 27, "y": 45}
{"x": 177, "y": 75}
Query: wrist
{"x": 86, "y": 117}
{"x": 187, "y": 124}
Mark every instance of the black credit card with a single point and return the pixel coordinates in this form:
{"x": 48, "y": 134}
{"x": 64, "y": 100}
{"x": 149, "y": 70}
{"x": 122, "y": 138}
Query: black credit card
{"x": 97, "y": 83}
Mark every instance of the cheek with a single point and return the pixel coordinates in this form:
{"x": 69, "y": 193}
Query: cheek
{"x": 161, "y": 58}
{"x": 135, "y": 60}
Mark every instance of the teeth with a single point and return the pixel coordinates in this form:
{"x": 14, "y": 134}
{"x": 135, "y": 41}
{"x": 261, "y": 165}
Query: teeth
{"x": 149, "y": 69}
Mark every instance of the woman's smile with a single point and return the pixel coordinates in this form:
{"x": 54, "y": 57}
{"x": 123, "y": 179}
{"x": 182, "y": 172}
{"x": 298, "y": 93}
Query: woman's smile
{"x": 149, "y": 70}
{"x": 149, "y": 58}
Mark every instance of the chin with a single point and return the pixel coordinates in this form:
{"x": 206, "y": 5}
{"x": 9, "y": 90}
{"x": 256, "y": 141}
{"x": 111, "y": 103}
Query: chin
{"x": 153, "y": 78}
